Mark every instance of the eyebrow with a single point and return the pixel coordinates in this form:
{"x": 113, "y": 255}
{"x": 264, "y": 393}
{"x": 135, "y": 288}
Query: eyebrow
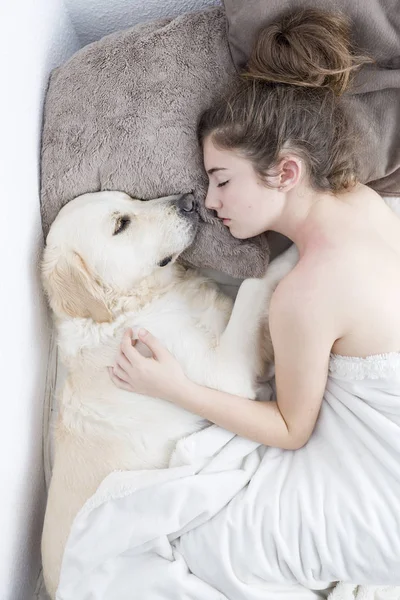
{"x": 213, "y": 170}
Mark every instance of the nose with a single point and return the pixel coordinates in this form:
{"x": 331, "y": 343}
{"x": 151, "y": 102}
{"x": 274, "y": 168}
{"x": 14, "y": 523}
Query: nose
{"x": 186, "y": 203}
{"x": 211, "y": 201}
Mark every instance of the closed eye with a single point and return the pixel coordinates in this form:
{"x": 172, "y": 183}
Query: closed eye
{"x": 223, "y": 183}
{"x": 121, "y": 224}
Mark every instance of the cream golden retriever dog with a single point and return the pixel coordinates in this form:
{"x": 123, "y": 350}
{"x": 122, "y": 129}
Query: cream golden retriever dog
{"x": 109, "y": 264}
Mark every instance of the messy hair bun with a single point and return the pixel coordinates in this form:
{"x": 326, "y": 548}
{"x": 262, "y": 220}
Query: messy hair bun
{"x": 307, "y": 48}
{"x": 288, "y": 99}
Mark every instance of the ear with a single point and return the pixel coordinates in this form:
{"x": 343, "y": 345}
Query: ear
{"x": 290, "y": 169}
{"x": 73, "y": 290}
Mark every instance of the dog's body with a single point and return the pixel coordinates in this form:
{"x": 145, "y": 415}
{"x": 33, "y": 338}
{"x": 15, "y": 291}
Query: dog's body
{"x": 102, "y": 428}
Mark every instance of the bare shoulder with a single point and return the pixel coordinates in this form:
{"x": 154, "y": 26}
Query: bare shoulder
{"x": 336, "y": 262}
{"x": 309, "y": 301}
{"x": 309, "y": 284}
{"x": 330, "y": 293}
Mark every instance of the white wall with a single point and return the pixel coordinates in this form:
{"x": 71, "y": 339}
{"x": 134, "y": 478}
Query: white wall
{"x": 95, "y": 18}
{"x": 36, "y": 35}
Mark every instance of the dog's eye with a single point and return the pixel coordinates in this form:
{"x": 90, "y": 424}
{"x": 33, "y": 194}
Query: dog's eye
{"x": 121, "y": 224}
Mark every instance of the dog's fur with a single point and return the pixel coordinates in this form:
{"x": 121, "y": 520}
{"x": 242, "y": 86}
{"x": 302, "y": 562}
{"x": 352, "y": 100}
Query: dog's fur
{"x": 98, "y": 284}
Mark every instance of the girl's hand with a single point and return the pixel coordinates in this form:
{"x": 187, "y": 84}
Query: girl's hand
{"x": 160, "y": 376}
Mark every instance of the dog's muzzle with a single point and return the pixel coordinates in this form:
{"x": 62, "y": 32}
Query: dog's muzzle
{"x": 186, "y": 205}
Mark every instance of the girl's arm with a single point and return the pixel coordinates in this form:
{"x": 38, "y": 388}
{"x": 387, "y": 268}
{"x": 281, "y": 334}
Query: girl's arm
{"x": 304, "y": 326}
{"x": 302, "y": 329}
{"x": 302, "y": 332}
{"x": 258, "y": 421}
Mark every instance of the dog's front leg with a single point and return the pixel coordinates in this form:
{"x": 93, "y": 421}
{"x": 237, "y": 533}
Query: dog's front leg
{"x": 239, "y": 351}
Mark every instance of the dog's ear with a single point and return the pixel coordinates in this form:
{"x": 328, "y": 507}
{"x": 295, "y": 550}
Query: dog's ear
{"x": 73, "y": 290}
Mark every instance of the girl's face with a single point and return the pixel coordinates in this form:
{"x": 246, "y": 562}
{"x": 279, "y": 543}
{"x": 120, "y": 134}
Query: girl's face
{"x": 236, "y": 193}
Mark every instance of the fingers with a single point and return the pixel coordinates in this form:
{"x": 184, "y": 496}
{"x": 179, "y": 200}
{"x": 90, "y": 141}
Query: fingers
{"x": 152, "y": 343}
{"x": 119, "y": 382}
{"x": 130, "y": 352}
{"x": 120, "y": 373}
{"x": 127, "y": 346}
{"x": 123, "y": 362}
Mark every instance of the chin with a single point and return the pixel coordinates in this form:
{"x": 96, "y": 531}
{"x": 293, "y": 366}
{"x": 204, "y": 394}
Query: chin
{"x": 235, "y": 232}
{"x": 241, "y": 234}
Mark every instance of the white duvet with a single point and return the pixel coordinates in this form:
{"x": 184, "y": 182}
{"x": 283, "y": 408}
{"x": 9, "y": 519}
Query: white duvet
{"x": 231, "y": 519}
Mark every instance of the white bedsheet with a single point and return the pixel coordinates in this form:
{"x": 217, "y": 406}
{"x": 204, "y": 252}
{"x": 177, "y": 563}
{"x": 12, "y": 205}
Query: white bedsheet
{"x": 235, "y": 520}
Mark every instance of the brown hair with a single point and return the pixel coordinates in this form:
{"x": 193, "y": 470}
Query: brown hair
{"x": 288, "y": 99}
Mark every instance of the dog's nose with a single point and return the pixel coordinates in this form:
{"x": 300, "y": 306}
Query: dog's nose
{"x": 186, "y": 203}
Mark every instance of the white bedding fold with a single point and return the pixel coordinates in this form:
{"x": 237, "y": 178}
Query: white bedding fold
{"x": 235, "y": 520}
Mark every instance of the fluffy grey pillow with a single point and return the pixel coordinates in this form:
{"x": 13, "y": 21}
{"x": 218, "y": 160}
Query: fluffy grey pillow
{"x": 122, "y": 113}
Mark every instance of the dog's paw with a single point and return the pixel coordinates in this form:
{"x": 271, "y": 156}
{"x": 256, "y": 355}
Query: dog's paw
{"x": 264, "y": 392}
{"x": 267, "y": 374}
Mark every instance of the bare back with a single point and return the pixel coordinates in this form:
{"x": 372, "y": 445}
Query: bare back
{"x": 354, "y": 252}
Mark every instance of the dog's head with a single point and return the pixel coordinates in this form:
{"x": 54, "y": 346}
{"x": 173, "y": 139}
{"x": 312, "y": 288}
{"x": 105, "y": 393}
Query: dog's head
{"x": 105, "y": 243}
